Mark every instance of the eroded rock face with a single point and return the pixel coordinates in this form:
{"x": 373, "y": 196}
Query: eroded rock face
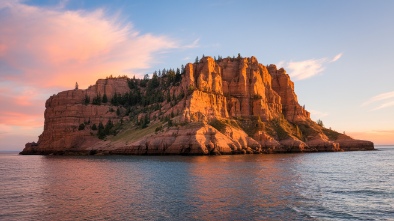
{"x": 194, "y": 139}
{"x": 242, "y": 85}
{"x": 66, "y": 111}
{"x": 282, "y": 85}
{"x": 244, "y": 96}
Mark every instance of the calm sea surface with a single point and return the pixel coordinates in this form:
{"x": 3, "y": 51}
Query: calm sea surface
{"x": 317, "y": 186}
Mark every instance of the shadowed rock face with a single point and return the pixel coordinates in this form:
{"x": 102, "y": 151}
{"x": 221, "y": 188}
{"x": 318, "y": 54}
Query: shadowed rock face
{"x": 234, "y": 105}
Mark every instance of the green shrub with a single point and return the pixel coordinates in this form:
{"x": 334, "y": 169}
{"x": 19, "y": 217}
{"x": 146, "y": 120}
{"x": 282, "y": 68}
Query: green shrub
{"x": 251, "y": 125}
{"x": 331, "y": 134}
{"x": 105, "y": 99}
{"x": 81, "y": 126}
{"x": 158, "y": 129}
{"x": 97, "y": 100}
{"x": 86, "y": 100}
{"x": 218, "y": 125}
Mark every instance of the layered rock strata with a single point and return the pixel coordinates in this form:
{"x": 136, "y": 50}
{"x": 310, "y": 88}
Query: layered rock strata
{"x": 226, "y": 106}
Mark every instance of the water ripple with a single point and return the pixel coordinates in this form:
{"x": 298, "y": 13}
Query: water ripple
{"x": 321, "y": 186}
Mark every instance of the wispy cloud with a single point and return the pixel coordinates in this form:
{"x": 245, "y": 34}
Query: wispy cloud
{"x": 300, "y": 70}
{"x": 67, "y": 46}
{"x": 24, "y": 107}
{"x": 379, "y": 97}
{"x": 317, "y": 114}
{"x": 305, "y": 69}
{"x": 61, "y": 4}
{"x": 380, "y": 101}
{"x": 45, "y": 50}
{"x": 194, "y": 44}
{"x": 337, "y": 57}
{"x": 387, "y": 104}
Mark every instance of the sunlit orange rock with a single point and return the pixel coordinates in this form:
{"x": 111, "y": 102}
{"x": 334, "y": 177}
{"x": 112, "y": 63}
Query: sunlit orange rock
{"x": 227, "y": 106}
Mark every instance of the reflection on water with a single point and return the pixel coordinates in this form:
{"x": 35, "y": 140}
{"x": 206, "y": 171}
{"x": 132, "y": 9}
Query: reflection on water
{"x": 239, "y": 187}
{"x": 356, "y": 185}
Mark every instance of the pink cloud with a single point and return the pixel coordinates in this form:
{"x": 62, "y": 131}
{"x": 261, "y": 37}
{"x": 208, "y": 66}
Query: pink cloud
{"x": 3, "y": 48}
{"x": 46, "y": 50}
{"x": 24, "y": 107}
{"x": 20, "y": 119}
{"x": 20, "y": 96}
{"x": 67, "y": 46}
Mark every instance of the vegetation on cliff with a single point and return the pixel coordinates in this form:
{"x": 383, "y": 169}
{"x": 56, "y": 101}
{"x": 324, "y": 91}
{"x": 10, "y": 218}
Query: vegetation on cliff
{"x": 213, "y": 106}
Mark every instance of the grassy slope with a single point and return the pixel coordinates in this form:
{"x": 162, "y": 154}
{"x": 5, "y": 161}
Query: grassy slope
{"x": 131, "y": 133}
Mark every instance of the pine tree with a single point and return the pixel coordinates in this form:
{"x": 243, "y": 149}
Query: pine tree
{"x": 87, "y": 99}
{"x": 145, "y": 121}
{"x": 182, "y": 69}
{"x": 168, "y": 97}
{"x": 108, "y": 127}
{"x": 105, "y": 99}
{"x": 114, "y": 100}
{"x": 320, "y": 123}
{"x": 97, "y": 100}
{"x": 101, "y": 133}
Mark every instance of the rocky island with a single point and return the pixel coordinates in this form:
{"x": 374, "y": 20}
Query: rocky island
{"x": 213, "y": 106}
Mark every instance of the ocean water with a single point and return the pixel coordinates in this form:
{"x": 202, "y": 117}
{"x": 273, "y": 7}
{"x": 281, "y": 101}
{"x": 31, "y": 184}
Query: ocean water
{"x": 315, "y": 186}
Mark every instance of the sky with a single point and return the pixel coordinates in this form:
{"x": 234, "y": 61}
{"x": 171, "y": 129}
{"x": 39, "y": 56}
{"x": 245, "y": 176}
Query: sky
{"x": 338, "y": 53}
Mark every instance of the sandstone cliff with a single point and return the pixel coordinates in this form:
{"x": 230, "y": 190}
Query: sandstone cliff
{"x": 226, "y": 106}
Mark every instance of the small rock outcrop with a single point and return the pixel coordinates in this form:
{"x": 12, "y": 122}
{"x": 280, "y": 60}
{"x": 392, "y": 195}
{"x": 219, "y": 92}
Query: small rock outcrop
{"x": 223, "y": 106}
